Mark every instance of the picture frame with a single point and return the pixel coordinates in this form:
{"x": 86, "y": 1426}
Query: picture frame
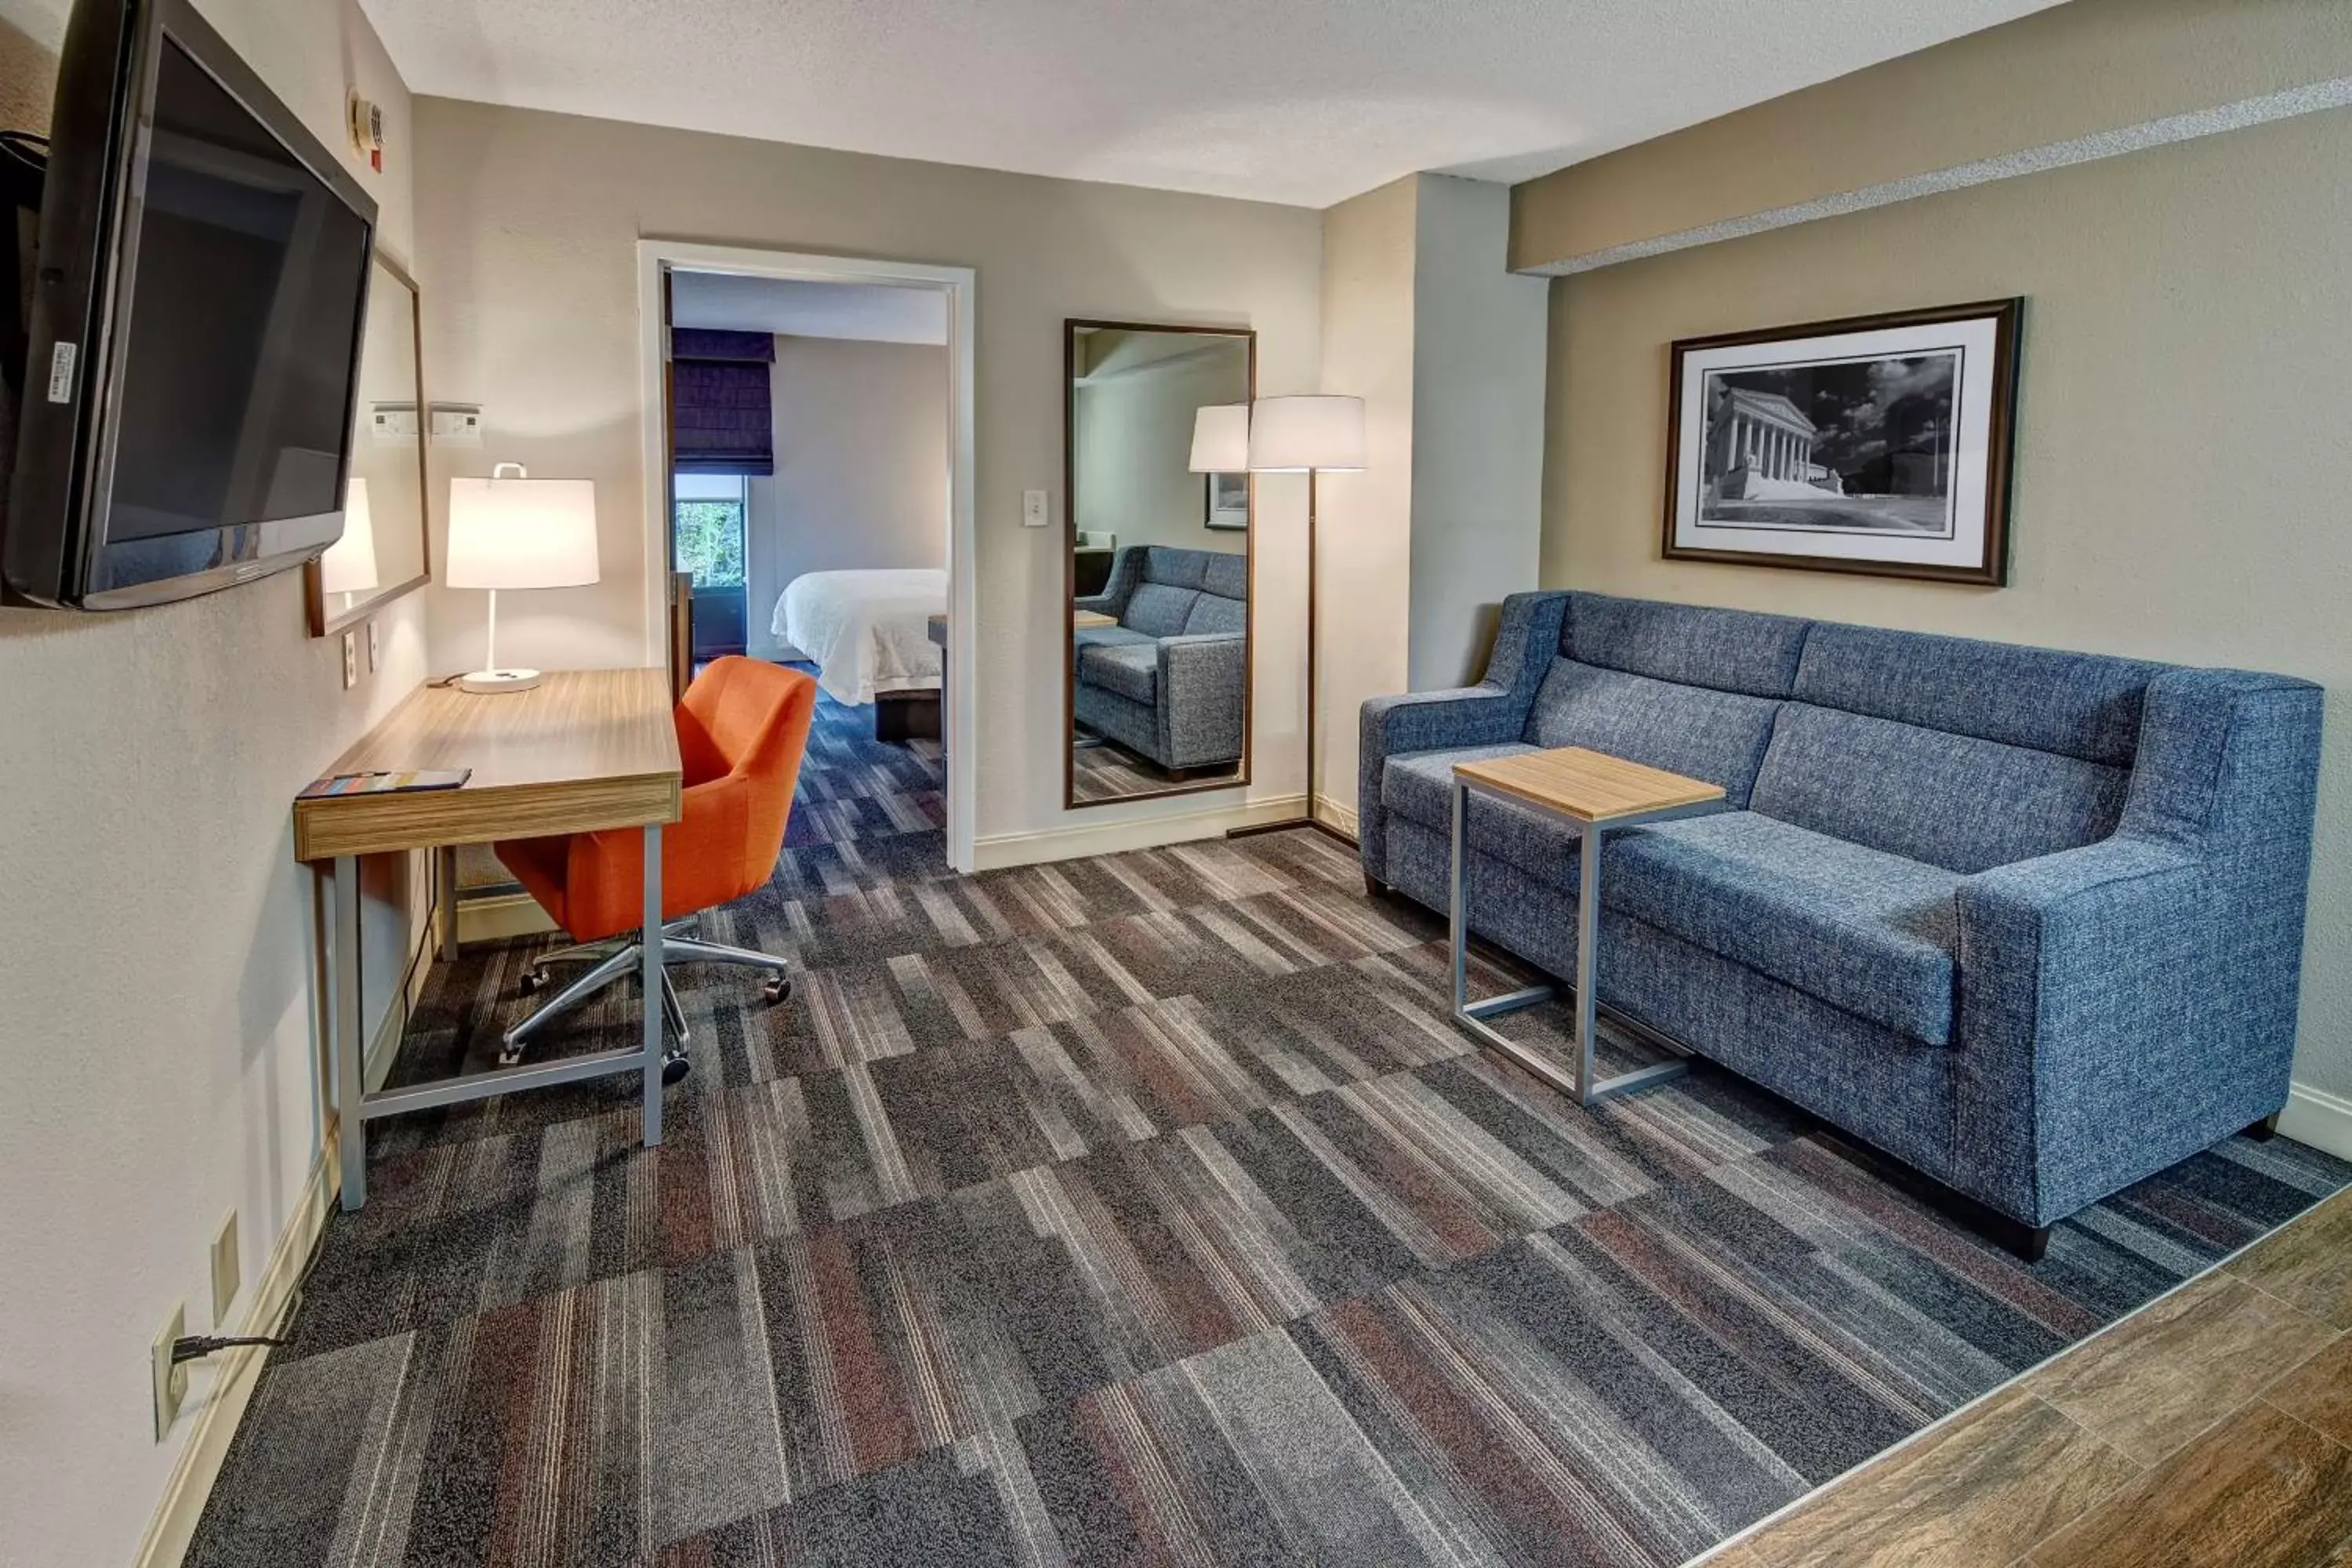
{"x": 1224, "y": 501}
{"x": 1878, "y": 445}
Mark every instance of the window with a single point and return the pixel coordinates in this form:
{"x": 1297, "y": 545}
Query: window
{"x": 707, "y": 529}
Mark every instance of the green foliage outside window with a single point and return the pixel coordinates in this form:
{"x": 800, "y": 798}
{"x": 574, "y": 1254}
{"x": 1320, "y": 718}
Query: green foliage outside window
{"x": 710, "y": 536}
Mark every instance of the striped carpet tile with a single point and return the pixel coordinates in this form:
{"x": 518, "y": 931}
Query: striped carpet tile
{"x": 1141, "y": 1209}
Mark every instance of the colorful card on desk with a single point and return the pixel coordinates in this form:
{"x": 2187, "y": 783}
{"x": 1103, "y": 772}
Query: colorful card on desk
{"x": 386, "y": 783}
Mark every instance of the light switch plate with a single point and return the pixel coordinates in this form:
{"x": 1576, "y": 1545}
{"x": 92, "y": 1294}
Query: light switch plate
{"x": 351, "y": 660}
{"x": 392, "y": 421}
{"x": 1035, "y": 510}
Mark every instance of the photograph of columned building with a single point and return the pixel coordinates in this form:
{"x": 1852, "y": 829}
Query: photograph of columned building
{"x": 1851, "y": 446}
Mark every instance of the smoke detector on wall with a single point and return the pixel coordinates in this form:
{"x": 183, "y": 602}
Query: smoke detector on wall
{"x": 367, "y": 130}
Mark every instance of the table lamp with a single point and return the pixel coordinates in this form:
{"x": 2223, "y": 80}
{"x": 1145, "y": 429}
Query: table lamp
{"x": 512, "y": 530}
{"x": 349, "y": 566}
{"x": 1315, "y": 435}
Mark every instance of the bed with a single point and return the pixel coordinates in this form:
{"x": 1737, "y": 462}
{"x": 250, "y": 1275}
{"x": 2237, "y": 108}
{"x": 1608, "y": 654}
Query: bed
{"x": 867, "y": 630}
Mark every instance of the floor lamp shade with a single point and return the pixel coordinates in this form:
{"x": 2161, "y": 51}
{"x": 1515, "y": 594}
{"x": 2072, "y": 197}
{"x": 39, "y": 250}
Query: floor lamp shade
{"x": 512, "y": 530}
{"x": 349, "y": 566}
{"x": 1302, "y": 435}
{"x": 1221, "y": 439}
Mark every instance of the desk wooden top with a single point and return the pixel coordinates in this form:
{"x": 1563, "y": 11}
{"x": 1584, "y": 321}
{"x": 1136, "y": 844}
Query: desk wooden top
{"x": 1590, "y": 787}
{"x": 584, "y": 749}
{"x": 1092, "y": 618}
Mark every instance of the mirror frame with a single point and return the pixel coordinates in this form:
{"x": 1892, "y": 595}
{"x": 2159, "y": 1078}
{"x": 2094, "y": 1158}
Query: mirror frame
{"x": 323, "y": 624}
{"x": 1072, "y": 327}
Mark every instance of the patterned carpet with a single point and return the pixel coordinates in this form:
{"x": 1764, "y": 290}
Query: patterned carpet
{"x": 1143, "y": 1209}
{"x": 1108, "y": 772}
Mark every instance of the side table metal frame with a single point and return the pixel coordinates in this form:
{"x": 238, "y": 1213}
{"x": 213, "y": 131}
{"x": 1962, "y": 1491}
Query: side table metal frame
{"x": 1584, "y": 1084}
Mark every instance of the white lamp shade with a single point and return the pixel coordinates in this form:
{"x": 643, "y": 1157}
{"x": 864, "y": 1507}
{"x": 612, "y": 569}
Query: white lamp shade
{"x": 1220, "y": 438}
{"x": 1292, "y": 435}
{"x": 515, "y": 532}
{"x": 349, "y": 564}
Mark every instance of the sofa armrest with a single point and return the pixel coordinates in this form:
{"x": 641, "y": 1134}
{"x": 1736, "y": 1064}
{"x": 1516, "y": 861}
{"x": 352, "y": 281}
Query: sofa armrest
{"x": 1103, "y": 604}
{"x": 1202, "y": 677}
{"x": 1494, "y": 710}
{"x": 2104, "y": 1027}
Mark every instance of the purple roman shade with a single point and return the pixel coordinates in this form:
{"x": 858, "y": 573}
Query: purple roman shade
{"x": 720, "y": 421}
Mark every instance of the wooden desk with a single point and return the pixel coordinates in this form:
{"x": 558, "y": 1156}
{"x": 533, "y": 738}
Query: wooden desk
{"x": 585, "y": 750}
{"x": 1594, "y": 792}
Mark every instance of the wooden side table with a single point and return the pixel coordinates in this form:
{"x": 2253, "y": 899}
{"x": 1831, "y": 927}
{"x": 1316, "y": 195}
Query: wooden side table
{"x": 1594, "y": 792}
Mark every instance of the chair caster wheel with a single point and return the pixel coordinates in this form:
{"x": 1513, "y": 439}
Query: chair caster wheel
{"x": 533, "y": 980}
{"x": 674, "y": 1066}
{"x": 776, "y": 990}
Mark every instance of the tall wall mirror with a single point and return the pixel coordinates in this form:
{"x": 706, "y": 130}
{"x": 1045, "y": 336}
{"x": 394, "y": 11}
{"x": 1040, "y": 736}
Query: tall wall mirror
{"x": 382, "y": 552}
{"x": 1158, "y": 560}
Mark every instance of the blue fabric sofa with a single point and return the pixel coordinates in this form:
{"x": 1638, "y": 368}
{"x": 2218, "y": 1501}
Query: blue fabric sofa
{"x": 2029, "y": 921}
{"x": 1166, "y": 681}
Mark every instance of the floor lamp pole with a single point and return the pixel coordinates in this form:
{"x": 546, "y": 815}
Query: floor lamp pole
{"x": 1313, "y": 573}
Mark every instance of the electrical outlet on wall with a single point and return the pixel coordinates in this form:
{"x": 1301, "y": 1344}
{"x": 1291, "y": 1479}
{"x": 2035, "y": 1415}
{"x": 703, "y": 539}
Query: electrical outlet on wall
{"x": 375, "y": 648}
{"x": 1036, "y": 511}
{"x": 228, "y": 1272}
{"x": 171, "y": 1382}
{"x": 351, "y": 660}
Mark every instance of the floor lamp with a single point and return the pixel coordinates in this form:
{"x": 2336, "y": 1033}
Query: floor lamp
{"x": 1309, "y": 435}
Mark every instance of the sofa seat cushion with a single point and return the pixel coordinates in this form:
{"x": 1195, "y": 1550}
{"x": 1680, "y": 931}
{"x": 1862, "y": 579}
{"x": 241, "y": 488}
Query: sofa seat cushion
{"x": 1419, "y": 787}
{"x": 1107, "y": 636}
{"x": 1129, "y": 668}
{"x": 1871, "y": 933}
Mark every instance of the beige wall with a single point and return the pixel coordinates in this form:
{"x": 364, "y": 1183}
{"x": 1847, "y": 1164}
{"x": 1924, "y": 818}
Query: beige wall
{"x": 1366, "y": 519}
{"x": 156, "y": 955}
{"x": 2182, "y": 464}
{"x": 2076, "y": 70}
{"x": 1133, "y": 434}
{"x": 861, "y": 473}
{"x": 529, "y": 223}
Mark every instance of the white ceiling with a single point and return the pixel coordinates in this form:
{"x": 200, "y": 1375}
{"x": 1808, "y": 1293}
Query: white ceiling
{"x": 873, "y": 312}
{"x": 1303, "y": 101}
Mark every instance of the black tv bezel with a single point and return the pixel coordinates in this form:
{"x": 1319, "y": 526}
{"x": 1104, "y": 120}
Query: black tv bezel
{"x": 55, "y": 550}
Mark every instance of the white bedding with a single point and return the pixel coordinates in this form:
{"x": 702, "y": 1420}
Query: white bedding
{"x": 867, "y": 631}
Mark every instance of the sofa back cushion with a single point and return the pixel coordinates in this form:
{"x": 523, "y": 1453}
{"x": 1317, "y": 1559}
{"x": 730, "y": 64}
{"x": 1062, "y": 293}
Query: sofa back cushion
{"x": 1215, "y": 613}
{"x": 1159, "y": 609}
{"x": 2076, "y": 704}
{"x": 1227, "y": 576}
{"x": 1693, "y": 645}
{"x": 1952, "y": 800}
{"x": 1176, "y": 568}
{"x": 1718, "y": 736}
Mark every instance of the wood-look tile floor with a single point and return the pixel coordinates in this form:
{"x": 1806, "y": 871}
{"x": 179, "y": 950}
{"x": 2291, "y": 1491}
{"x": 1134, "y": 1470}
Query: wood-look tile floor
{"x": 2211, "y": 1428}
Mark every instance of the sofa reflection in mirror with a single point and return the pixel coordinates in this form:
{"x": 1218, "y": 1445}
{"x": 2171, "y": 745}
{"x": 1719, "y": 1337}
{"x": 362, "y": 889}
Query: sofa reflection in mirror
{"x": 1158, "y": 560}
{"x": 1164, "y": 670}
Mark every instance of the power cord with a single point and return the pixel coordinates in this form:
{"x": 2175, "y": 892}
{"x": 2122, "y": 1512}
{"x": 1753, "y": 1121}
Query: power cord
{"x": 195, "y": 1347}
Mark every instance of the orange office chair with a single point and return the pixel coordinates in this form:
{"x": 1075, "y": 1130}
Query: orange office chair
{"x": 742, "y": 730}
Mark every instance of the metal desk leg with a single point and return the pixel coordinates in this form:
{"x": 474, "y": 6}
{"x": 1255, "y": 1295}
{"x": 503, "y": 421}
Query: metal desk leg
{"x": 445, "y": 867}
{"x": 350, "y": 1058}
{"x": 651, "y": 974}
{"x": 1587, "y": 961}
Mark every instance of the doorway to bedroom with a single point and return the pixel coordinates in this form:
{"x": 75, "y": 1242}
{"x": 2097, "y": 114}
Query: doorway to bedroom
{"x": 809, "y": 460}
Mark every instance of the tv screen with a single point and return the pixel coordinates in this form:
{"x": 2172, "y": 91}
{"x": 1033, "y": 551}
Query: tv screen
{"x": 189, "y": 415}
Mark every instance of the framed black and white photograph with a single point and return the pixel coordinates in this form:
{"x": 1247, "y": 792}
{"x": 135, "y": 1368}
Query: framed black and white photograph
{"x": 1878, "y": 445}
{"x": 1228, "y": 501}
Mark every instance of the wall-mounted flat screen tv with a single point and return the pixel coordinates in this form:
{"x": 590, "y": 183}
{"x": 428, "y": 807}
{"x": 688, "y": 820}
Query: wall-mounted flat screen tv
{"x": 200, "y": 287}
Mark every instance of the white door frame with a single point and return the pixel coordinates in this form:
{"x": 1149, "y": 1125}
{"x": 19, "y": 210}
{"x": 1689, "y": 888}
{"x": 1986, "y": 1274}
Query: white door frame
{"x": 959, "y": 710}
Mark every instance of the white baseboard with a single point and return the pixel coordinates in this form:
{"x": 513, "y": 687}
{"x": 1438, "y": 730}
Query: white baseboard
{"x": 234, "y": 1373}
{"x": 500, "y": 916}
{"x": 997, "y": 850}
{"x": 1339, "y": 816}
{"x": 2319, "y": 1118}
